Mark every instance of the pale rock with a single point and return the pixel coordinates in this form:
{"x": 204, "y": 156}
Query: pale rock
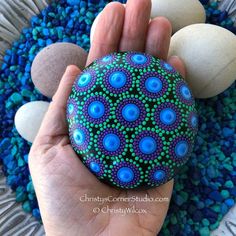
{"x": 29, "y": 117}
{"x": 209, "y": 54}
{"x": 179, "y": 12}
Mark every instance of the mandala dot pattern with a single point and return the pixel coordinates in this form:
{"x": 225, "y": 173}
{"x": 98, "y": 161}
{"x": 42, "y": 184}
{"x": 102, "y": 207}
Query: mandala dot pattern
{"x": 132, "y": 120}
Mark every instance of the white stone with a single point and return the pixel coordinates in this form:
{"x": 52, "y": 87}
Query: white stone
{"x": 179, "y": 12}
{"x": 209, "y": 54}
{"x": 29, "y": 117}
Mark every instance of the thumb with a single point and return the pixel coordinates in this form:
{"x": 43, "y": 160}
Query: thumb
{"x": 60, "y": 97}
{"x": 54, "y": 122}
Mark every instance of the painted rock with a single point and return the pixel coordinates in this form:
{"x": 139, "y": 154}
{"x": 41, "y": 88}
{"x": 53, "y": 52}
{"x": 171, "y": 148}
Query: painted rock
{"x": 209, "y": 53}
{"x": 132, "y": 120}
{"x": 50, "y": 64}
{"x": 179, "y": 12}
{"x": 29, "y": 117}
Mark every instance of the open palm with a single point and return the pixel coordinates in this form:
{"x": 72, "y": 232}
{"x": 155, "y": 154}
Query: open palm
{"x": 62, "y": 183}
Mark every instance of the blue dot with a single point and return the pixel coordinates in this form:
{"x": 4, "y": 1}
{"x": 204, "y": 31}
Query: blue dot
{"x": 159, "y": 175}
{"x": 194, "y": 121}
{"x": 181, "y": 149}
{"x": 96, "y": 109}
{"x": 117, "y": 79}
{"x": 185, "y": 92}
{"x": 125, "y": 174}
{"x": 111, "y": 142}
{"x": 106, "y": 58}
{"x": 168, "y": 116}
{"x": 79, "y": 136}
{"x": 130, "y": 112}
{"x": 84, "y": 79}
{"x": 70, "y": 108}
{"x": 147, "y": 145}
{"x": 94, "y": 167}
{"x": 139, "y": 59}
{"x": 168, "y": 66}
{"x": 153, "y": 84}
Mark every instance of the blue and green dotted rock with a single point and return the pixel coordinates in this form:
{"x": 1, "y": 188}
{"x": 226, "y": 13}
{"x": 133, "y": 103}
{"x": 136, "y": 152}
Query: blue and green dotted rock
{"x": 132, "y": 120}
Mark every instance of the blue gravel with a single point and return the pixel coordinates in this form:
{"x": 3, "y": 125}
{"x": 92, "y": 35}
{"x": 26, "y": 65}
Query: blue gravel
{"x": 204, "y": 191}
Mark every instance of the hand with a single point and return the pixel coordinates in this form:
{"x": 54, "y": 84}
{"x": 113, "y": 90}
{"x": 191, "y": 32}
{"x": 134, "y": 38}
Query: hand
{"x": 60, "y": 179}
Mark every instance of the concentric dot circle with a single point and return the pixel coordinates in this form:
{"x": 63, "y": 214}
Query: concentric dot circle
{"x": 193, "y": 121}
{"x": 153, "y": 85}
{"x": 125, "y": 174}
{"x": 147, "y": 145}
{"x": 96, "y": 109}
{"x": 86, "y": 80}
{"x": 131, "y": 112}
{"x": 167, "y": 116}
{"x": 72, "y": 108}
{"x": 108, "y": 59}
{"x": 117, "y": 80}
{"x": 138, "y": 60}
{"x": 158, "y": 175}
{"x": 180, "y": 149}
{"x": 79, "y": 136}
{"x": 167, "y": 67}
{"x": 95, "y": 165}
{"x": 111, "y": 142}
{"x": 184, "y": 93}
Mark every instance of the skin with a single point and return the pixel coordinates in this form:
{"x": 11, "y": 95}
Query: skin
{"x": 60, "y": 179}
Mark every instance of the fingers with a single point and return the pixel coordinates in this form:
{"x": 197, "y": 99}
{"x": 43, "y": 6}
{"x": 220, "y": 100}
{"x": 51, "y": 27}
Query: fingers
{"x": 158, "y": 37}
{"x": 178, "y": 64}
{"x": 134, "y": 33}
{"x": 107, "y": 32}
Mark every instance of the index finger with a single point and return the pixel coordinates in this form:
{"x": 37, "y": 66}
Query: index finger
{"x": 107, "y": 32}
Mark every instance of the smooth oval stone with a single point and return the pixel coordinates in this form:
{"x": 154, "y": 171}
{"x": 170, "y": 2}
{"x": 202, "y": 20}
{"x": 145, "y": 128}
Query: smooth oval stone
{"x": 29, "y": 117}
{"x": 209, "y": 53}
{"x": 179, "y": 12}
{"x": 132, "y": 120}
{"x": 50, "y": 64}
